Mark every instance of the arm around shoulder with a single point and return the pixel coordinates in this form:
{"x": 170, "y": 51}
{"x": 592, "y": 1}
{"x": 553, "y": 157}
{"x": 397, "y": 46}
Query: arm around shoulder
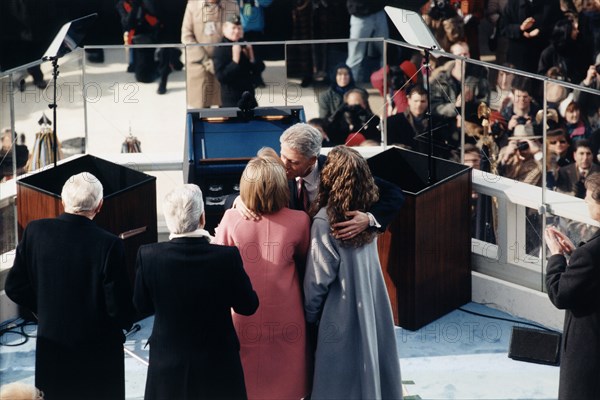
{"x": 390, "y": 201}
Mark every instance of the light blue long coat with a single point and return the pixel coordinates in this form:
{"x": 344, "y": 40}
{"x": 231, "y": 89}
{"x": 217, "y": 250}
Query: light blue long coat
{"x": 356, "y": 348}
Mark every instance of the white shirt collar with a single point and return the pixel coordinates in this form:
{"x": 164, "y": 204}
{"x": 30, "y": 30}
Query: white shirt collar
{"x": 196, "y": 233}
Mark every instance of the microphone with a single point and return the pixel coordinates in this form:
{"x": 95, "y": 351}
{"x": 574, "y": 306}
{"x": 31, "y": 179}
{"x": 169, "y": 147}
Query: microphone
{"x": 247, "y": 104}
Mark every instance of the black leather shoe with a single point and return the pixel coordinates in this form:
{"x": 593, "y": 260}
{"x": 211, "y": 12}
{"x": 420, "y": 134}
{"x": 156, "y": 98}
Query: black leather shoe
{"x": 162, "y": 88}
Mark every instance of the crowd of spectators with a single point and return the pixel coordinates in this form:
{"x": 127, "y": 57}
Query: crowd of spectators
{"x": 556, "y": 38}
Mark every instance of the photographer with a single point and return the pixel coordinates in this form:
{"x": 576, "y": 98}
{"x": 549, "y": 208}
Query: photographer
{"x": 517, "y": 158}
{"x": 236, "y": 67}
{"x": 519, "y": 161}
{"x": 523, "y": 108}
{"x": 354, "y": 122}
{"x": 589, "y": 103}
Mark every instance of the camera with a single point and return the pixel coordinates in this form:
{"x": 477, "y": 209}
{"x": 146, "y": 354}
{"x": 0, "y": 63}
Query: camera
{"x": 522, "y": 146}
{"x": 497, "y": 129}
{"x": 598, "y": 68}
{"x": 521, "y": 120}
{"x": 355, "y": 115}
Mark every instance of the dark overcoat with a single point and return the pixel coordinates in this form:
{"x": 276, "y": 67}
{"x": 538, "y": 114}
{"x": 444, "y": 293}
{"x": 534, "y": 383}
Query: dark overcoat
{"x": 191, "y": 286}
{"x": 71, "y": 273}
{"x": 575, "y": 287}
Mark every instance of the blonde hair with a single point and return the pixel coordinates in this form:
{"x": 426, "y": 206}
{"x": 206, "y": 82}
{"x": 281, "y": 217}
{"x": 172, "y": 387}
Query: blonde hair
{"x": 264, "y": 185}
{"x": 20, "y": 391}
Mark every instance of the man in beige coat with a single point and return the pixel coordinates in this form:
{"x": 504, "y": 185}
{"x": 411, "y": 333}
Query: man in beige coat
{"x": 202, "y": 23}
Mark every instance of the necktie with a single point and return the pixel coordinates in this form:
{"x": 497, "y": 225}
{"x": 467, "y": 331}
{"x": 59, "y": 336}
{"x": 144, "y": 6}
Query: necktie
{"x": 303, "y": 202}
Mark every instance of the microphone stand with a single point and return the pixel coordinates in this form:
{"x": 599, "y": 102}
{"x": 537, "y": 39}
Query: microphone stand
{"x": 431, "y": 166}
{"x": 53, "y": 106}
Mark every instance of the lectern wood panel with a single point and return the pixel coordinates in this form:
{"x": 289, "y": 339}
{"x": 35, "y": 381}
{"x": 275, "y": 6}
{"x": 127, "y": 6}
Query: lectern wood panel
{"x": 129, "y": 208}
{"x": 425, "y": 252}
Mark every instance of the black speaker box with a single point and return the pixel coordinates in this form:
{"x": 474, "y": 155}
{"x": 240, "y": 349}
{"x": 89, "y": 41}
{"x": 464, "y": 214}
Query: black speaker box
{"x": 534, "y": 345}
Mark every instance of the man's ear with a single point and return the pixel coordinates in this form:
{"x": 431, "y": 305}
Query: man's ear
{"x": 97, "y": 210}
{"x": 202, "y": 220}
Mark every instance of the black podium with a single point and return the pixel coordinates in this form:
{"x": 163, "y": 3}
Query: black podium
{"x": 425, "y": 252}
{"x": 129, "y": 209}
{"x": 219, "y": 143}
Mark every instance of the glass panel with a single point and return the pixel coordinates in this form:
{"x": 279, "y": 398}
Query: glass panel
{"x": 572, "y": 148}
{"x": 34, "y": 95}
{"x": 7, "y": 152}
{"x": 271, "y": 86}
{"x": 125, "y": 111}
{"x": 406, "y": 98}
{"x": 348, "y": 106}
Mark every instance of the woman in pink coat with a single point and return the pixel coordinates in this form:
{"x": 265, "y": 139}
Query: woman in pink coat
{"x": 274, "y": 249}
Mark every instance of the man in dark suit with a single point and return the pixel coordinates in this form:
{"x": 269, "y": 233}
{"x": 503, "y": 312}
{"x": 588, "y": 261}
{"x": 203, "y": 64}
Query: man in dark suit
{"x": 191, "y": 286}
{"x": 571, "y": 177}
{"x": 300, "y": 154}
{"x": 71, "y": 273}
{"x": 573, "y": 285}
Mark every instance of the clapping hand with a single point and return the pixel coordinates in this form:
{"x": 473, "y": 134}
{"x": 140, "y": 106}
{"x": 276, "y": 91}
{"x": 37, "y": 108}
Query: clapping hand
{"x": 558, "y": 242}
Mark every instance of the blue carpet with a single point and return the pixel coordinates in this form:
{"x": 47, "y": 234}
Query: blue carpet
{"x": 458, "y": 356}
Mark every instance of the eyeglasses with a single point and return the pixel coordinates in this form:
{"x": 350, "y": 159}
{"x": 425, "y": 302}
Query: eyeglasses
{"x": 559, "y": 141}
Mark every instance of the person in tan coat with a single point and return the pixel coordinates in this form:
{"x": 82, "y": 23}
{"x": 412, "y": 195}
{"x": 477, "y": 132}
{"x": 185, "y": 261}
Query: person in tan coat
{"x": 202, "y": 23}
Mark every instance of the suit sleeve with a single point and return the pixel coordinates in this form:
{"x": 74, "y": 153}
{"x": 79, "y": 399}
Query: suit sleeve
{"x": 142, "y": 298}
{"x": 576, "y": 285}
{"x": 19, "y": 286}
{"x": 244, "y": 298}
{"x": 321, "y": 269}
{"x": 117, "y": 289}
{"x": 225, "y": 69}
{"x": 390, "y": 201}
{"x": 301, "y": 250}
{"x": 510, "y": 26}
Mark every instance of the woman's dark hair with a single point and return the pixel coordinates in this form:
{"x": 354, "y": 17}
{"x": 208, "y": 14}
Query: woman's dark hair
{"x": 592, "y": 183}
{"x": 561, "y": 35}
{"x": 334, "y": 85}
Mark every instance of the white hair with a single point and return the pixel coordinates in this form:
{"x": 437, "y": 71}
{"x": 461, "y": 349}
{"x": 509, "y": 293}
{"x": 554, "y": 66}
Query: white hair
{"x": 183, "y": 207}
{"x": 20, "y": 391}
{"x": 81, "y": 192}
{"x": 303, "y": 138}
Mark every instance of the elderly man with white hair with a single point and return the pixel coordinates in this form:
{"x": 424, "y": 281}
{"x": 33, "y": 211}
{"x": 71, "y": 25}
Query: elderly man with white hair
{"x": 191, "y": 286}
{"x": 71, "y": 274}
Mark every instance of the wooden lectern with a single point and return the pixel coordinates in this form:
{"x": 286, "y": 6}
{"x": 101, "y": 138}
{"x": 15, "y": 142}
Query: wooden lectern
{"x": 425, "y": 252}
{"x": 129, "y": 209}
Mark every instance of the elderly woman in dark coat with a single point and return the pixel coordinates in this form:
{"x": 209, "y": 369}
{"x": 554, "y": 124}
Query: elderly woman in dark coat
{"x": 574, "y": 286}
{"x": 191, "y": 286}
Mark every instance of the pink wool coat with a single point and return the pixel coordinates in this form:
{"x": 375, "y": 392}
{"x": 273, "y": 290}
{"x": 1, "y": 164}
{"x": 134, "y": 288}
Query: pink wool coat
{"x": 273, "y": 342}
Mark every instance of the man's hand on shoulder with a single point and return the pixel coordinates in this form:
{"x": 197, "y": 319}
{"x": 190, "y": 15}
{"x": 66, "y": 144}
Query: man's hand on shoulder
{"x": 358, "y": 221}
{"x": 239, "y": 205}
